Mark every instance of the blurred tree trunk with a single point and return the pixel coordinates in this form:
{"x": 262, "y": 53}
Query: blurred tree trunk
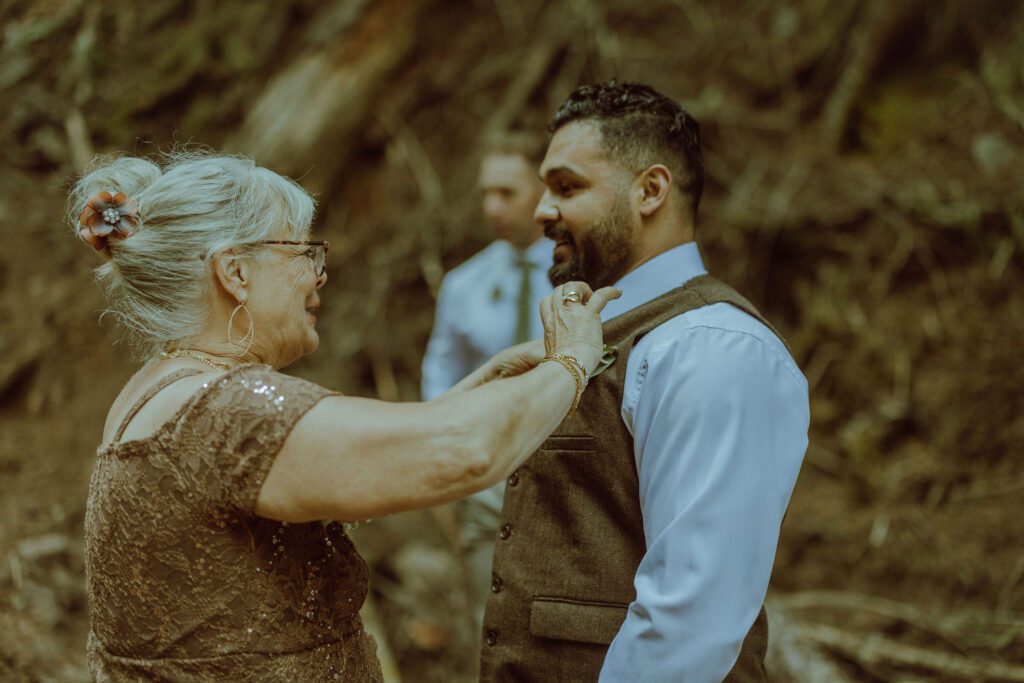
{"x": 306, "y": 121}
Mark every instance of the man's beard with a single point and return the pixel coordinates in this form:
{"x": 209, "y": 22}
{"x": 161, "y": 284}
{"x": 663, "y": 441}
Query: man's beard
{"x": 603, "y": 254}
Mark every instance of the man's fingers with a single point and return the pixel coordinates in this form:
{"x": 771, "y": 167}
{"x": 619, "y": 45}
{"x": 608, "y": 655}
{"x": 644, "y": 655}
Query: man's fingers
{"x": 602, "y": 296}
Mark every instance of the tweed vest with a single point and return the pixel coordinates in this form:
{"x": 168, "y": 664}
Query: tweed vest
{"x": 571, "y": 537}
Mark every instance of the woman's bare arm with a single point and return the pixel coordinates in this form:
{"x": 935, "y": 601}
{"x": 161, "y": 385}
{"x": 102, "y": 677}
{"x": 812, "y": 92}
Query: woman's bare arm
{"x": 354, "y": 458}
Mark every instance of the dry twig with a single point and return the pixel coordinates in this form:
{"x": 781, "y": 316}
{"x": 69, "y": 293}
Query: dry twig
{"x": 961, "y": 628}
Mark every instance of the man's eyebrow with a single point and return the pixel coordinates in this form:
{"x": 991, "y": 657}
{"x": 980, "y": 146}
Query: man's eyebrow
{"x": 558, "y": 170}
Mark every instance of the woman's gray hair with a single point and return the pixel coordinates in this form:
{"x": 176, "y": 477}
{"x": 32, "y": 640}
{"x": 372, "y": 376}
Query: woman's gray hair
{"x": 192, "y": 205}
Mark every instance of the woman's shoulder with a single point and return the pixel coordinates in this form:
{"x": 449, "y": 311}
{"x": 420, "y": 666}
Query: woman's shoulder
{"x": 249, "y": 389}
{"x": 149, "y": 399}
{"x": 253, "y": 376}
{"x": 259, "y": 386}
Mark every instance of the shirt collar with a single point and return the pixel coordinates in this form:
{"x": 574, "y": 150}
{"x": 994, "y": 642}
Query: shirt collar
{"x": 663, "y": 273}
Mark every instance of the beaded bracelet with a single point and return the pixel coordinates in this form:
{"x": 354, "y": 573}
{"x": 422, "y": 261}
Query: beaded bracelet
{"x": 576, "y": 369}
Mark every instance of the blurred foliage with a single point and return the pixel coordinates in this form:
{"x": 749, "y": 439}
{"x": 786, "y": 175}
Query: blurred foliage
{"x": 864, "y": 189}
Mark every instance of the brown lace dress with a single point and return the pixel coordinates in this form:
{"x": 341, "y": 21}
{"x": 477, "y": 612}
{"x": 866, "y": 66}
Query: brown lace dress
{"x": 185, "y": 582}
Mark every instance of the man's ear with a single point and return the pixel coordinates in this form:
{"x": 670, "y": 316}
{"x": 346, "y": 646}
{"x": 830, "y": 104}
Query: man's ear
{"x": 654, "y": 186}
{"x": 232, "y": 272}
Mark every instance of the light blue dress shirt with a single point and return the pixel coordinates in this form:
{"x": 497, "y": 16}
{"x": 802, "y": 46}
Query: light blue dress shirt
{"x": 719, "y": 413}
{"x": 477, "y": 310}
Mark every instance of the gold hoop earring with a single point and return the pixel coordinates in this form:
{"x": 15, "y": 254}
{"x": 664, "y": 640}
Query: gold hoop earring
{"x": 250, "y": 333}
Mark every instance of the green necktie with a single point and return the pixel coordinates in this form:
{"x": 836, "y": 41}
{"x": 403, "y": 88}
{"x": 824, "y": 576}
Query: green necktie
{"x": 523, "y": 318}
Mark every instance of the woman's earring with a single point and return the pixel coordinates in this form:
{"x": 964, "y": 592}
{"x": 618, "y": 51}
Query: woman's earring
{"x": 250, "y": 333}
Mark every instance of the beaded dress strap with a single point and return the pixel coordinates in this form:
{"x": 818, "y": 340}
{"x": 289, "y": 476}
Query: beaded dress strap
{"x": 160, "y": 385}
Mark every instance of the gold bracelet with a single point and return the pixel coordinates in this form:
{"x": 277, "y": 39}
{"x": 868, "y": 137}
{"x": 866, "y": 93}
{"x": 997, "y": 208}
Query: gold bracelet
{"x": 579, "y": 366}
{"x": 568, "y": 365}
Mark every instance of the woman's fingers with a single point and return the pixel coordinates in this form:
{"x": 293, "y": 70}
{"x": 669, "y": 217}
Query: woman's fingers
{"x": 574, "y": 292}
{"x": 601, "y": 297}
{"x": 547, "y": 314}
{"x": 572, "y": 322}
{"x": 580, "y": 292}
{"x": 545, "y": 308}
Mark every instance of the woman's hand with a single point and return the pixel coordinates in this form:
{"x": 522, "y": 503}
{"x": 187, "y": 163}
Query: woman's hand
{"x": 515, "y": 360}
{"x": 572, "y": 321}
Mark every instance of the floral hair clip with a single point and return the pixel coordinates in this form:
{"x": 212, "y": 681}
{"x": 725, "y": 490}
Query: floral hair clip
{"x": 105, "y": 216}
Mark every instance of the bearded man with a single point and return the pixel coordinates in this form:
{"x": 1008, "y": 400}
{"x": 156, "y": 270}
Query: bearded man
{"x": 638, "y": 542}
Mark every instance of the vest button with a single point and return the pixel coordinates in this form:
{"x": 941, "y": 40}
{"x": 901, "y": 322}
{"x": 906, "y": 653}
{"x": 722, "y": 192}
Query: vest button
{"x": 492, "y": 638}
{"x": 505, "y": 531}
{"x": 495, "y": 585}
{"x": 513, "y": 478}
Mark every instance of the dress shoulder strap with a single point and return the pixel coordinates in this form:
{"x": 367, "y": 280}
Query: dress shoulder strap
{"x": 159, "y": 386}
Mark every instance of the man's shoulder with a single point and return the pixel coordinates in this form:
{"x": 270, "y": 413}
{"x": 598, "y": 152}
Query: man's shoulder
{"x": 721, "y": 316}
{"x": 726, "y": 329}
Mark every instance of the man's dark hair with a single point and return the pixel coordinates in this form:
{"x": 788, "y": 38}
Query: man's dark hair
{"x": 641, "y": 127}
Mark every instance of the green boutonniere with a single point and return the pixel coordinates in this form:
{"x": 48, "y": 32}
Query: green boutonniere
{"x": 607, "y": 358}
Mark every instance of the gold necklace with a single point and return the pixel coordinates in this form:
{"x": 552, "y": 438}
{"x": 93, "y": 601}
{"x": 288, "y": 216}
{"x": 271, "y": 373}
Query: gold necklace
{"x": 200, "y": 356}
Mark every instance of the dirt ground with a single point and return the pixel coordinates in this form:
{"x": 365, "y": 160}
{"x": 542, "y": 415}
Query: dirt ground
{"x": 864, "y": 189}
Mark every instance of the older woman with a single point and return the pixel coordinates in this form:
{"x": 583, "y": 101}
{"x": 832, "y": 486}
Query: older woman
{"x": 205, "y": 553}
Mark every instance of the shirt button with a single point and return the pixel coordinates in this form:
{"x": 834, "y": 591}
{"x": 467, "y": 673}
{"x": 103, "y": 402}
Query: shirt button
{"x": 513, "y": 478}
{"x": 495, "y": 585}
{"x": 505, "y": 531}
{"x": 492, "y": 638}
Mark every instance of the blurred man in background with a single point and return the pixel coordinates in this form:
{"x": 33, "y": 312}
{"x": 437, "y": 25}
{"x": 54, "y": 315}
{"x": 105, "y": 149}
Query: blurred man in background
{"x": 488, "y": 303}
{"x": 637, "y": 543}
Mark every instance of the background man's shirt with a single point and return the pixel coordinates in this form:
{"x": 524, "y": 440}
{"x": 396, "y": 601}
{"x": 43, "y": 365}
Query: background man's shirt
{"x": 477, "y": 311}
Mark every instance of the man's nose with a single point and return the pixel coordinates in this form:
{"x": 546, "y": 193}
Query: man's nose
{"x": 546, "y": 211}
{"x": 492, "y": 206}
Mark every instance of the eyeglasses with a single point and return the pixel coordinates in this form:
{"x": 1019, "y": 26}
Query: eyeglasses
{"x": 317, "y": 252}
